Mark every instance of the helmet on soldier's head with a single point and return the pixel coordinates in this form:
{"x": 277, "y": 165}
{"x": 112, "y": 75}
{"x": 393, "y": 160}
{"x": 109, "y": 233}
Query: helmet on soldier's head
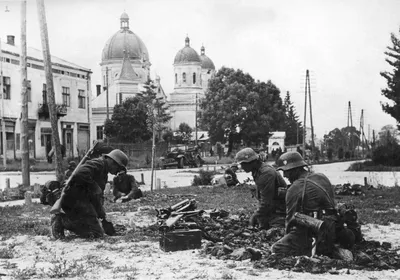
{"x": 290, "y": 160}
{"x": 246, "y": 155}
{"x": 119, "y": 157}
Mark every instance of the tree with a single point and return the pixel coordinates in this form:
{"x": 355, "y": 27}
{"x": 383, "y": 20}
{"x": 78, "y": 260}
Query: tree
{"x": 388, "y": 134}
{"x": 293, "y": 127}
{"x": 185, "y": 132}
{"x": 342, "y": 140}
{"x": 130, "y": 120}
{"x": 237, "y": 108}
{"x": 392, "y": 92}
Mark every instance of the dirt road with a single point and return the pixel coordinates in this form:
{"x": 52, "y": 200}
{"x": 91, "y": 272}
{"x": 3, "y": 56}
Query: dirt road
{"x": 183, "y": 177}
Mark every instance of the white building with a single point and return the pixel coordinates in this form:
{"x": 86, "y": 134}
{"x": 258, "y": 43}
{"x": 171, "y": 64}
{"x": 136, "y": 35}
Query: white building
{"x": 125, "y": 68}
{"x": 72, "y": 91}
{"x": 191, "y": 73}
{"x": 276, "y": 141}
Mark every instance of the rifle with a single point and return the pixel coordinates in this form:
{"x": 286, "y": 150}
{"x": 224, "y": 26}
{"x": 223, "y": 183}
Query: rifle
{"x": 57, "y": 209}
{"x": 173, "y": 220}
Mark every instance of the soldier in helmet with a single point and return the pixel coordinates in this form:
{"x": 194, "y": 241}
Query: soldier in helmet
{"x": 310, "y": 194}
{"x": 230, "y": 175}
{"x": 83, "y": 197}
{"x": 271, "y": 209}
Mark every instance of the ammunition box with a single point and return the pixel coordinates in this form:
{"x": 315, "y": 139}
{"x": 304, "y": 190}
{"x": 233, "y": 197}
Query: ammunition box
{"x": 179, "y": 240}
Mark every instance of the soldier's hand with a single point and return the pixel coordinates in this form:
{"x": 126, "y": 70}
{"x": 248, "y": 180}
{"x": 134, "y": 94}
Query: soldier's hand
{"x": 253, "y": 221}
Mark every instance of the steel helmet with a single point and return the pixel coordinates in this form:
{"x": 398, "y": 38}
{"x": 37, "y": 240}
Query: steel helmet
{"x": 290, "y": 160}
{"x": 246, "y": 155}
{"x": 119, "y": 157}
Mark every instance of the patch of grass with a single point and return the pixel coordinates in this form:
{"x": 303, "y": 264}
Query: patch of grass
{"x": 6, "y": 253}
{"x": 205, "y": 177}
{"x": 375, "y": 200}
{"x": 63, "y": 268}
{"x": 24, "y": 274}
{"x": 370, "y": 166}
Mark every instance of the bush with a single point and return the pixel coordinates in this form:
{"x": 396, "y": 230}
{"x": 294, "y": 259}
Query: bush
{"x": 204, "y": 178}
{"x": 388, "y": 154}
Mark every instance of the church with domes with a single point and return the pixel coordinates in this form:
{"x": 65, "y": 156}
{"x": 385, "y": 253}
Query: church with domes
{"x": 125, "y": 68}
{"x": 191, "y": 73}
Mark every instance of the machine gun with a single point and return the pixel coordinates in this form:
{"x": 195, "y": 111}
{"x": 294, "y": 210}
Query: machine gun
{"x": 184, "y": 205}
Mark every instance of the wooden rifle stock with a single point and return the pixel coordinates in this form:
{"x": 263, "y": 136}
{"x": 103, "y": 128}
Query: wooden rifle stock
{"x": 56, "y": 209}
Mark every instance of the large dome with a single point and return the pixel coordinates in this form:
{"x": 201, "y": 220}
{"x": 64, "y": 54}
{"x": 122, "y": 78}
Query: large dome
{"x": 187, "y": 54}
{"x": 206, "y": 62}
{"x": 125, "y": 40}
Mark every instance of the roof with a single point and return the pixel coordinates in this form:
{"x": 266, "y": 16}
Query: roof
{"x": 127, "y": 72}
{"x": 124, "y": 40}
{"x": 278, "y": 134}
{"x": 206, "y": 62}
{"x": 38, "y": 55}
{"x": 187, "y": 54}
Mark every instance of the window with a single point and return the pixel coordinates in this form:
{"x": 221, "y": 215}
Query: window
{"x": 81, "y": 99}
{"x": 99, "y": 132}
{"x": 194, "y": 78}
{"x": 7, "y": 87}
{"x": 44, "y": 94}
{"x": 29, "y": 90}
{"x": 66, "y": 96}
{"x": 176, "y": 78}
{"x": 184, "y": 77}
{"x": 17, "y": 141}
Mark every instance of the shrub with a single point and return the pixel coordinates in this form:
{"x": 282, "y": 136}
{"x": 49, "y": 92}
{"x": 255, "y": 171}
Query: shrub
{"x": 204, "y": 178}
{"x": 388, "y": 154}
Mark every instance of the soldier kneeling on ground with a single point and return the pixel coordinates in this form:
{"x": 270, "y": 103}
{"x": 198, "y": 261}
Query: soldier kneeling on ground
{"x": 125, "y": 187}
{"x": 51, "y": 191}
{"x": 80, "y": 207}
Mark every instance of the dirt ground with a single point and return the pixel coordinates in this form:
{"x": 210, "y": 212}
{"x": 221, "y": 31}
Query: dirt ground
{"x": 42, "y": 257}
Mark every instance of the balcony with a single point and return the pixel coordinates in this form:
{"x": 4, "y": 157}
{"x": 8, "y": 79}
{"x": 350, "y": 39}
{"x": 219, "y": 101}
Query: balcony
{"x": 43, "y": 110}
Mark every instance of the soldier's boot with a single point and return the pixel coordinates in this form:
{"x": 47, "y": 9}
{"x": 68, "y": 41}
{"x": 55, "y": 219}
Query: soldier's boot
{"x": 57, "y": 227}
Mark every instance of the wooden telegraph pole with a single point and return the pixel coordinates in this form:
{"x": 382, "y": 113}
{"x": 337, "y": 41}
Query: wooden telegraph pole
{"x": 50, "y": 88}
{"x": 3, "y": 123}
{"x": 24, "y": 101}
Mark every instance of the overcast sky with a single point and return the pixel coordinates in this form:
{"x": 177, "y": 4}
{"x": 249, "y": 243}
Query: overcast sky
{"x": 342, "y": 43}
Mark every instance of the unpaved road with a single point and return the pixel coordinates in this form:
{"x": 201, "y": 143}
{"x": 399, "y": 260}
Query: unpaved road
{"x": 183, "y": 177}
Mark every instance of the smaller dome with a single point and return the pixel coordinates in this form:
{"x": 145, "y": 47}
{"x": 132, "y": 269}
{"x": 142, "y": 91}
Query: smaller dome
{"x": 124, "y": 16}
{"x": 187, "y": 54}
{"x": 206, "y": 62}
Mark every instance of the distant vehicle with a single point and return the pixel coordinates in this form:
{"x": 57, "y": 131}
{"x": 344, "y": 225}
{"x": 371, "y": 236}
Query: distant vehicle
{"x": 179, "y": 157}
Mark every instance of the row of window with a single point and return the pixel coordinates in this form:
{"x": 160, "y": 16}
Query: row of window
{"x": 66, "y": 95}
{"x": 40, "y": 67}
{"x": 184, "y": 78}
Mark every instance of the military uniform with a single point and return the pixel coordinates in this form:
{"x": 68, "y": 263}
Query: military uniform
{"x": 271, "y": 209}
{"x": 83, "y": 202}
{"x": 126, "y": 185}
{"x": 310, "y": 194}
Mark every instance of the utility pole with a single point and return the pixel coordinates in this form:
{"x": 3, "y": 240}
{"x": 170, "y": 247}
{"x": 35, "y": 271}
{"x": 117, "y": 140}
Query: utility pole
{"x": 24, "y": 101}
{"x": 350, "y": 125}
{"x": 3, "y": 123}
{"x": 107, "y": 103}
{"x": 308, "y": 91}
{"x": 50, "y": 88}
{"x": 195, "y": 120}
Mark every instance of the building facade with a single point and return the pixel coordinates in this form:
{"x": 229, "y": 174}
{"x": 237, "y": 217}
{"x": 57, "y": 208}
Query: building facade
{"x": 191, "y": 75}
{"x": 71, "y": 89}
{"x": 125, "y": 68}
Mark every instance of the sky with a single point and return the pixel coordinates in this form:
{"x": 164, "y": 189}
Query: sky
{"x": 341, "y": 43}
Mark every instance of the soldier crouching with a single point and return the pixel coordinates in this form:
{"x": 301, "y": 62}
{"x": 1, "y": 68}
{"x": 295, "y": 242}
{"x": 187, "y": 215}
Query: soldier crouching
{"x": 82, "y": 199}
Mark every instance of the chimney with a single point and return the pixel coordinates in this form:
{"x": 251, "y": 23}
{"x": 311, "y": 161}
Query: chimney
{"x": 11, "y": 40}
{"x": 98, "y": 88}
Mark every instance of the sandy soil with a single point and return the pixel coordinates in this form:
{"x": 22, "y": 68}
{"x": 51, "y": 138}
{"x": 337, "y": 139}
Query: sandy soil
{"x": 45, "y": 258}
{"x": 145, "y": 260}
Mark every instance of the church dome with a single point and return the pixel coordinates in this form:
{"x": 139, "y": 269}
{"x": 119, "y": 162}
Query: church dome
{"x": 125, "y": 41}
{"x": 187, "y": 54}
{"x": 206, "y": 62}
